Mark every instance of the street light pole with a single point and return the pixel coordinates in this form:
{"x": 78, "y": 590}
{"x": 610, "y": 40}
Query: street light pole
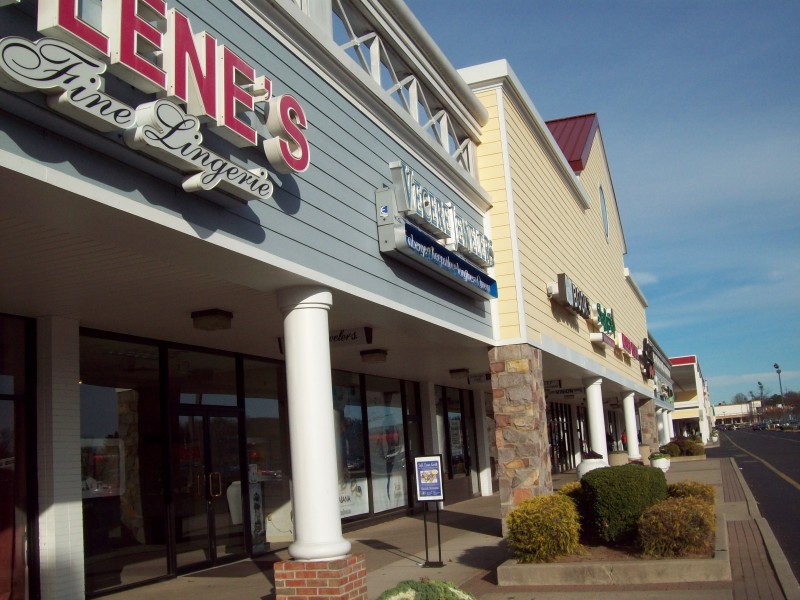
{"x": 778, "y": 371}
{"x": 761, "y": 391}
{"x": 780, "y": 385}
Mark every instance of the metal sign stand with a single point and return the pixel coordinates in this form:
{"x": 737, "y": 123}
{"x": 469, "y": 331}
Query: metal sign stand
{"x": 431, "y": 564}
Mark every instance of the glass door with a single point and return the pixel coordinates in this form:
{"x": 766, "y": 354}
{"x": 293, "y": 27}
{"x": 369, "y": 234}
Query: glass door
{"x": 207, "y": 495}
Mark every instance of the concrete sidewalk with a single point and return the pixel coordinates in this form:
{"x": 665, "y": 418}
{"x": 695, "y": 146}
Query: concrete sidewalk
{"x": 472, "y": 548}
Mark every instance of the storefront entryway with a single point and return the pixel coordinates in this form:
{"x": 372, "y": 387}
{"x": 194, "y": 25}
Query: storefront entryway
{"x": 207, "y": 491}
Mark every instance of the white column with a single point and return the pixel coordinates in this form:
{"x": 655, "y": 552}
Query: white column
{"x": 671, "y": 424}
{"x": 629, "y": 408}
{"x": 665, "y": 425}
{"x": 58, "y": 416}
{"x": 431, "y": 438}
{"x": 594, "y": 412}
{"x": 484, "y": 443}
{"x": 660, "y": 426}
{"x": 576, "y": 439}
{"x": 318, "y": 526}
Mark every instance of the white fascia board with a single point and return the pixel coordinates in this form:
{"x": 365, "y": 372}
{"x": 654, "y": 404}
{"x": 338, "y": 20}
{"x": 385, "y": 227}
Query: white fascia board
{"x": 631, "y": 282}
{"x": 499, "y": 72}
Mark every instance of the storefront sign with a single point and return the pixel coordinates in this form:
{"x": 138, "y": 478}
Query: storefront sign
{"x": 356, "y": 336}
{"x": 646, "y": 360}
{"x": 438, "y": 217}
{"x": 628, "y": 347}
{"x": 566, "y": 293}
{"x": 605, "y": 319}
{"x": 428, "y": 475}
{"x": 198, "y": 81}
{"x": 602, "y": 339}
{"x": 566, "y": 392}
{"x": 420, "y": 250}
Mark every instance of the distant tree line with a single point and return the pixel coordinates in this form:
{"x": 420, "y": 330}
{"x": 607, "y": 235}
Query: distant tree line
{"x": 772, "y": 407}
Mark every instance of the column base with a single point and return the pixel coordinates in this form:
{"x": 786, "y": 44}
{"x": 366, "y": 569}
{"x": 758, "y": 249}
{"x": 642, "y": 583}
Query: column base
{"x": 337, "y": 579}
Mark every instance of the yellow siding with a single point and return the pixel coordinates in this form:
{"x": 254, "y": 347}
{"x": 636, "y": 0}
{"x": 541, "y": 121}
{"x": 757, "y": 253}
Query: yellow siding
{"x": 491, "y": 166}
{"x": 555, "y": 234}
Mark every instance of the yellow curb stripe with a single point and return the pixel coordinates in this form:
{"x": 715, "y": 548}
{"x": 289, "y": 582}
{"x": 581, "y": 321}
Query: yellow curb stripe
{"x": 780, "y": 474}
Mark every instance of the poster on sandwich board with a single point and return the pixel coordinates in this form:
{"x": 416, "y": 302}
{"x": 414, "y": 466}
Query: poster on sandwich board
{"x": 428, "y": 475}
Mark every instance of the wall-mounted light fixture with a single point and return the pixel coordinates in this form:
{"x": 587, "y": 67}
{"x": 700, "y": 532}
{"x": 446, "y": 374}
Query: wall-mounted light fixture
{"x": 377, "y": 355}
{"x": 459, "y": 373}
{"x": 213, "y": 319}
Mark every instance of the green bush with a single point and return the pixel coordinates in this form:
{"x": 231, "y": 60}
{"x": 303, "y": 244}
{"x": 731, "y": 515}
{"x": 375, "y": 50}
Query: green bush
{"x": 682, "y": 443}
{"x": 692, "y": 489}
{"x": 672, "y": 449}
{"x": 695, "y": 449}
{"x": 426, "y": 589}
{"x": 572, "y": 490}
{"x": 543, "y": 528}
{"x": 677, "y": 527}
{"x": 617, "y": 496}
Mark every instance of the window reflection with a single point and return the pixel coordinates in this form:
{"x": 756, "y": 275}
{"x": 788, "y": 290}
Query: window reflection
{"x": 202, "y": 378}
{"x": 386, "y": 443}
{"x": 350, "y": 454}
{"x": 267, "y": 457}
{"x": 121, "y": 463}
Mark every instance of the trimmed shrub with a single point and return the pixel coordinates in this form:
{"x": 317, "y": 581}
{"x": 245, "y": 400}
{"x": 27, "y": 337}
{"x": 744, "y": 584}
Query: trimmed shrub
{"x": 672, "y": 449}
{"x": 682, "y": 443}
{"x": 617, "y": 496}
{"x": 677, "y": 527}
{"x": 543, "y": 528}
{"x": 425, "y": 589}
{"x": 695, "y": 449}
{"x": 692, "y": 489}
{"x": 572, "y": 490}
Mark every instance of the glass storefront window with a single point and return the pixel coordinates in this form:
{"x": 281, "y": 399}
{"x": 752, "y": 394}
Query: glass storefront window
{"x": 351, "y": 457}
{"x": 202, "y": 378}
{"x": 449, "y": 408}
{"x": 386, "y": 443}
{"x": 122, "y": 471}
{"x": 267, "y": 457}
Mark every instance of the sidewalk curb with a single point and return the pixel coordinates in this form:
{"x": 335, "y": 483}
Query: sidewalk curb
{"x": 783, "y": 571}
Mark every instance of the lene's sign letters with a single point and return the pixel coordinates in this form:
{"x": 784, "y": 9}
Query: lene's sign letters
{"x": 196, "y": 79}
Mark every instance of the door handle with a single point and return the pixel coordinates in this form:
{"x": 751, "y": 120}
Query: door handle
{"x": 215, "y": 475}
{"x": 201, "y": 484}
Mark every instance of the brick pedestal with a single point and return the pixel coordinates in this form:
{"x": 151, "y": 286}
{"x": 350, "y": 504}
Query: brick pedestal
{"x": 521, "y": 425}
{"x": 338, "y": 579}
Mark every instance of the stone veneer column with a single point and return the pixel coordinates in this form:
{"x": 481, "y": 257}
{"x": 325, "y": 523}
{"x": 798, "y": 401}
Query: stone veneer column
{"x": 647, "y": 419}
{"x": 629, "y": 406}
{"x": 521, "y": 425}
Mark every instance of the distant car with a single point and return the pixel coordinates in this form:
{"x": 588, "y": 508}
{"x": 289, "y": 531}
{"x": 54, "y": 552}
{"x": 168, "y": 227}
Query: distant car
{"x": 759, "y": 427}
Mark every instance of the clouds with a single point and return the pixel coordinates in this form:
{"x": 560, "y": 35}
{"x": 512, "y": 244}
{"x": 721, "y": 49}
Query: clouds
{"x": 697, "y": 101}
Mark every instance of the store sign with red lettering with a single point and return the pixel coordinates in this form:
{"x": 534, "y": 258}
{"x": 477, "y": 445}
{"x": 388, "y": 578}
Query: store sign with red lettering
{"x": 199, "y": 83}
{"x": 627, "y": 345}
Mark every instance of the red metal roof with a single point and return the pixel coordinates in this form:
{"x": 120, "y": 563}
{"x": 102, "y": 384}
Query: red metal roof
{"x": 683, "y": 360}
{"x": 574, "y": 136}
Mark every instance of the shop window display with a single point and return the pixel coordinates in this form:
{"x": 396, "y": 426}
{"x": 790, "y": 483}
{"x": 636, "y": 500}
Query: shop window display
{"x": 386, "y": 443}
{"x": 351, "y": 457}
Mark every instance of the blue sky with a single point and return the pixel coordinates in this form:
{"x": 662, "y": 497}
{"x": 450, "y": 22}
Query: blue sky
{"x": 699, "y": 106}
